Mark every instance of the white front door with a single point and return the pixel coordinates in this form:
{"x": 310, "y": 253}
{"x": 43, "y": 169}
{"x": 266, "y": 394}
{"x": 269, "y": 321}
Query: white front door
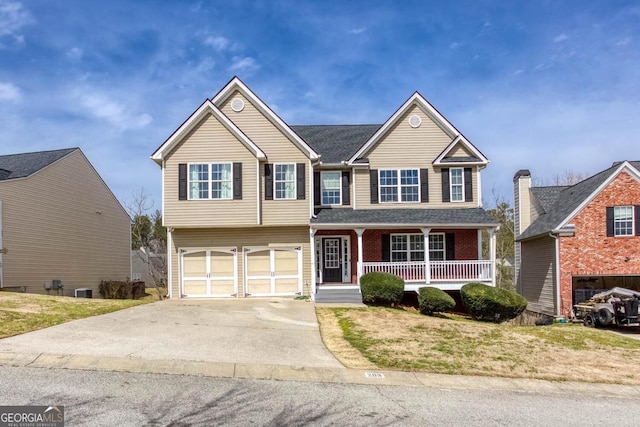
{"x": 210, "y": 272}
{"x": 273, "y": 271}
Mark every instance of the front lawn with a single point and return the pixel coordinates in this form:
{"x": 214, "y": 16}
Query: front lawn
{"x": 20, "y": 313}
{"x": 405, "y": 340}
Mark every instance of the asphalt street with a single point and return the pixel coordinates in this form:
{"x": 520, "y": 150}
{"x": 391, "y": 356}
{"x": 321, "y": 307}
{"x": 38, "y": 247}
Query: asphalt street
{"x": 100, "y": 398}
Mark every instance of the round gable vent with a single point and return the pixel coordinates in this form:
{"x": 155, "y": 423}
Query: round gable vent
{"x": 415, "y": 121}
{"x": 237, "y": 105}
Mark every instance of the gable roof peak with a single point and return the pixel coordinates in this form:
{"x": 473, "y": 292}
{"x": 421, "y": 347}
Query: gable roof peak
{"x": 22, "y": 165}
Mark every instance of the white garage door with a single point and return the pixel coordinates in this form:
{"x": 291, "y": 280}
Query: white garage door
{"x": 273, "y": 271}
{"x": 210, "y": 272}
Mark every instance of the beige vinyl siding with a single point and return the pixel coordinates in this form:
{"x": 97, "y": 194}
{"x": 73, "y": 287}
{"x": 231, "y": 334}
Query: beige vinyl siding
{"x": 63, "y": 223}
{"x": 459, "y": 151}
{"x": 210, "y": 142}
{"x": 404, "y": 147}
{"x": 239, "y": 237}
{"x": 537, "y": 274}
{"x": 279, "y": 149}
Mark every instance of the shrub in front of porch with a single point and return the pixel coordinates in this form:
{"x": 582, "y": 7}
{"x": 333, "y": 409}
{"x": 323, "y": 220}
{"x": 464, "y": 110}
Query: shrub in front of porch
{"x": 433, "y": 300}
{"x": 380, "y": 288}
{"x": 491, "y": 304}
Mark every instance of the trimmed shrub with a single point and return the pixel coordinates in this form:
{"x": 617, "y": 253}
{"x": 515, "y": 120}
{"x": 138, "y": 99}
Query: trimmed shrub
{"x": 433, "y": 300}
{"x": 115, "y": 289}
{"x": 380, "y": 288}
{"x": 491, "y": 304}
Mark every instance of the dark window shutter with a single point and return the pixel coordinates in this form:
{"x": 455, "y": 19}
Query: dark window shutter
{"x": 386, "y": 247}
{"x": 300, "y": 181}
{"x": 468, "y": 185}
{"x": 446, "y": 195}
{"x": 316, "y": 189}
{"x": 182, "y": 181}
{"x": 609, "y": 221}
{"x": 268, "y": 181}
{"x": 424, "y": 185}
{"x": 637, "y": 208}
{"x": 346, "y": 188}
{"x": 450, "y": 246}
{"x": 373, "y": 184}
{"x": 237, "y": 181}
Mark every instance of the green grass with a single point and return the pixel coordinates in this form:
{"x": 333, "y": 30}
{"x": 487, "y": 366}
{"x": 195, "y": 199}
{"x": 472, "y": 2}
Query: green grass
{"x": 21, "y": 313}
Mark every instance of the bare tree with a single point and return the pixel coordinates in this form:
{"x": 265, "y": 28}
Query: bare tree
{"x": 148, "y": 237}
{"x": 503, "y": 214}
{"x": 568, "y": 177}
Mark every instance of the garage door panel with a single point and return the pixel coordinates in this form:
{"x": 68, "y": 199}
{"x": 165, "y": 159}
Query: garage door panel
{"x": 286, "y": 263}
{"x": 260, "y": 286}
{"x": 222, "y": 287}
{"x": 221, "y": 264}
{"x": 194, "y": 264}
{"x": 195, "y": 287}
{"x": 287, "y": 286}
{"x": 259, "y": 263}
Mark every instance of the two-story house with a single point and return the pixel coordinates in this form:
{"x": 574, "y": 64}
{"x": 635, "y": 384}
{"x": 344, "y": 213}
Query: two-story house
{"x": 575, "y": 241}
{"x": 254, "y": 206}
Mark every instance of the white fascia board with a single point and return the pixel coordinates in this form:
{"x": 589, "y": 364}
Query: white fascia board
{"x": 464, "y": 141}
{"x": 343, "y": 226}
{"x": 624, "y": 166}
{"x": 237, "y": 84}
{"x": 207, "y": 107}
{"x": 428, "y": 109}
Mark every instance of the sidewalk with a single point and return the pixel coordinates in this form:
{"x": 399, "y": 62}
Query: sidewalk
{"x": 312, "y": 374}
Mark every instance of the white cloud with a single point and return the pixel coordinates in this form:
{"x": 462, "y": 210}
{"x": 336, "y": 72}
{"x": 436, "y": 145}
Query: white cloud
{"x": 218, "y": 43}
{"x": 625, "y": 41}
{"x": 455, "y": 45}
{"x": 9, "y": 92}
{"x": 358, "y": 30}
{"x": 74, "y": 53}
{"x": 244, "y": 64}
{"x": 560, "y": 38}
{"x": 13, "y": 17}
{"x": 115, "y": 113}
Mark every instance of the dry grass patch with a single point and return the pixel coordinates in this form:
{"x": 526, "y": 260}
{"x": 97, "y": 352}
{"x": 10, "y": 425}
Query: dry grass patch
{"x": 20, "y": 313}
{"x": 405, "y": 340}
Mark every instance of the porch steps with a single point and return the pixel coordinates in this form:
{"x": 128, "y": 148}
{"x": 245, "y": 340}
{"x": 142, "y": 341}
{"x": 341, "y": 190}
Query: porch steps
{"x": 338, "y": 296}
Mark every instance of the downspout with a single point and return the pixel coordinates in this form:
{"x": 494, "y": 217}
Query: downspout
{"x": 557, "y": 274}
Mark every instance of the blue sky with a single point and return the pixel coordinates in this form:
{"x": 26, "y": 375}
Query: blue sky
{"x": 546, "y": 85}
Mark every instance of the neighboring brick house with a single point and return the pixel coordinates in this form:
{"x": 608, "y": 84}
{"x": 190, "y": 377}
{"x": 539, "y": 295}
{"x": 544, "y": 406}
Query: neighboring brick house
{"x": 59, "y": 222}
{"x": 574, "y": 241}
{"x": 254, "y": 206}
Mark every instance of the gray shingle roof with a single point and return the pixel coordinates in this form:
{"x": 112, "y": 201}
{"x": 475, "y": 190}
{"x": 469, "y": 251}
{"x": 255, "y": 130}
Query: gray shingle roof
{"x": 564, "y": 200}
{"x": 22, "y": 165}
{"x": 335, "y": 143}
{"x": 419, "y": 217}
{"x": 460, "y": 159}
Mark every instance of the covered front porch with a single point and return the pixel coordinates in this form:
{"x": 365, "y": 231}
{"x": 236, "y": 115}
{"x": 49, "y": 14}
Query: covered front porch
{"x": 446, "y": 256}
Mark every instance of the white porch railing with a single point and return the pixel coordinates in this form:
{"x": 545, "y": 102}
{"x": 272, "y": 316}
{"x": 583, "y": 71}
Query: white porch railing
{"x": 440, "y": 271}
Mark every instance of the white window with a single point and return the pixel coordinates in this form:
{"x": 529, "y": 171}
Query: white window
{"x": 399, "y": 185}
{"x": 210, "y": 181}
{"x": 407, "y": 247}
{"x": 436, "y": 247}
{"x": 623, "y": 221}
{"x": 457, "y": 184}
{"x": 331, "y": 188}
{"x": 285, "y": 181}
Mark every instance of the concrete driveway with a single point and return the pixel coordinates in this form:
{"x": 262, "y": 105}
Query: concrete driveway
{"x": 265, "y": 331}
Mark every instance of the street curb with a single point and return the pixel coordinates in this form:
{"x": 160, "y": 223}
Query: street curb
{"x": 313, "y": 374}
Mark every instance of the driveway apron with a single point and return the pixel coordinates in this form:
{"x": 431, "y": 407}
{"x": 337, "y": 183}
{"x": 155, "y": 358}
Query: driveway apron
{"x": 273, "y": 331}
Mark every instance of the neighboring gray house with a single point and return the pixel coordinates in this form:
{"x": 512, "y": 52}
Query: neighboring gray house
{"x": 59, "y": 222}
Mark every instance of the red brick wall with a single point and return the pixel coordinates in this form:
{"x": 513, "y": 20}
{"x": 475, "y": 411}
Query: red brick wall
{"x": 590, "y": 251}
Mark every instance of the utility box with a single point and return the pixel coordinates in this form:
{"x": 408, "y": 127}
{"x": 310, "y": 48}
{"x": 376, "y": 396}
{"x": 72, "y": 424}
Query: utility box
{"x": 84, "y": 293}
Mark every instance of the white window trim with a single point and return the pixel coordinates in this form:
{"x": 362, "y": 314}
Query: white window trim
{"x": 399, "y": 185}
{"x": 408, "y": 250}
{"x": 339, "y": 188}
{"x": 209, "y": 180}
{"x": 451, "y": 185}
{"x": 275, "y": 181}
{"x": 444, "y": 247}
{"x": 633, "y": 221}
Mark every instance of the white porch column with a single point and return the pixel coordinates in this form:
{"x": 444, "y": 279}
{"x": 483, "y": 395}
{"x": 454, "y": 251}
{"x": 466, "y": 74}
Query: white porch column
{"x": 480, "y": 245}
{"x": 314, "y": 273}
{"x": 427, "y": 267}
{"x": 359, "y": 232}
{"x": 492, "y": 254}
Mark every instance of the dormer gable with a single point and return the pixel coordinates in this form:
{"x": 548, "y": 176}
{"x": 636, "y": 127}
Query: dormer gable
{"x": 460, "y": 152}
